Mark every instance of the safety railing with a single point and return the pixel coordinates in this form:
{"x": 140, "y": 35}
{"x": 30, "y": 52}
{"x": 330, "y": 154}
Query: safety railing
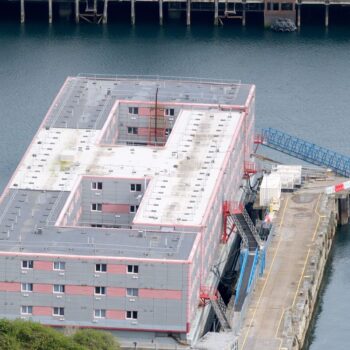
{"x": 157, "y": 78}
{"x": 306, "y": 151}
{"x": 241, "y": 231}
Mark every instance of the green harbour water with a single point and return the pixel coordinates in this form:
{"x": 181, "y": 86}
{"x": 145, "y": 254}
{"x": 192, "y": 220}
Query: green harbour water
{"x": 302, "y": 87}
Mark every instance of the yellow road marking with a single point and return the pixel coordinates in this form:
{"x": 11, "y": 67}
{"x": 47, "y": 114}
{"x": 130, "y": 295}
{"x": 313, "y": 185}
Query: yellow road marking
{"x": 305, "y": 262}
{"x": 272, "y": 262}
{"x": 279, "y": 323}
{"x": 267, "y": 277}
{"x": 319, "y": 217}
{"x": 301, "y": 277}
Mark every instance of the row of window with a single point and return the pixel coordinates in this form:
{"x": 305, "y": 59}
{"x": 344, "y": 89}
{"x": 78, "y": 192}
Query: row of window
{"x": 274, "y": 6}
{"x": 98, "y": 313}
{"x": 168, "y": 112}
{"x": 57, "y": 265}
{"x": 61, "y": 266}
{"x": 60, "y": 288}
{"x": 99, "y": 186}
{"x": 105, "y": 226}
{"x": 134, "y": 130}
{"x": 98, "y": 207}
{"x": 133, "y": 187}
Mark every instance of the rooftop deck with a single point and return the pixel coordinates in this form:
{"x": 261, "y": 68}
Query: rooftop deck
{"x": 27, "y": 226}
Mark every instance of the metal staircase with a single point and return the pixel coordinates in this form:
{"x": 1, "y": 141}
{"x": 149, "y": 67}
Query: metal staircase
{"x": 304, "y": 150}
{"x": 220, "y": 311}
{"x": 218, "y": 305}
{"x": 247, "y": 230}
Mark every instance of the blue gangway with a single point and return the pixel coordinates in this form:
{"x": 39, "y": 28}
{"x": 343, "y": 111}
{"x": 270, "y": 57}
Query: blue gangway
{"x": 307, "y": 151}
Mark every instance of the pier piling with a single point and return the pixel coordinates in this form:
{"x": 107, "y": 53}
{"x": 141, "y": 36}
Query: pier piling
{"x": 161, "y": 12}
{"x": 243, "y": 13}
{"x": 188, "y": 13}
{"x": 105, "y": 12}
{"x": 50, "y": 11}
{"x": 77, "y": 11}
{"x": 22, "y": 12}
{"x": 216, "y": 12}
{"x": 326, "y": 19}
{"x": 343, "y": 208}
{"x": 133, "y": 12}
{"x": 298, "y": 15}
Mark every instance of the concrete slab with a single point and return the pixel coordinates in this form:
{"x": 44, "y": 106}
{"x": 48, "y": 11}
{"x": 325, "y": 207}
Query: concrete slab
{"x": 296, "y": 225}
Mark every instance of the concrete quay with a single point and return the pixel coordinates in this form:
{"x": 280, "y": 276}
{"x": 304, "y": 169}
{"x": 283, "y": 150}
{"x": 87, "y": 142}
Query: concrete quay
{"x": 282, "y": 303}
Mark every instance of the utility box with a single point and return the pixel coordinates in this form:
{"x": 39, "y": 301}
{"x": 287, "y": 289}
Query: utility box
{"x": 270, "y": 189}
{"x": 290, "y": 175}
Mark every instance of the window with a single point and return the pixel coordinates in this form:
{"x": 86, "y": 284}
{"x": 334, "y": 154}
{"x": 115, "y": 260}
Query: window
{"x": 133, "y": 130}
{"x": 135, "y": 187}
{"x": 59, "y": 265}
{"x": 168, "y": 131}
{"x": 275, "y": 6}
{"x": 101, "y": 268}
{"x": 169, "y": 112}
{"x": 27, "y": 287}
{"x": 100, "y": 290}
{"x": 96, "y": 185}
{"x": 131, "y": 315}
{"x": 133, "y": 110}
{"x": 58, "y": 288}
{"x": 132, "y": 292}
{"x": 287, "y": 6}
{"x": 26, "y": 310}
{"x": 133, "y": 208}
{"x": 96, "y": 225}
{"x": 100, "y": 313}
{"x": 27, "y": 264}
{"x": 96, "y": 207}
{"x": 133, "y": 269}
{"x": 58, "y": 311}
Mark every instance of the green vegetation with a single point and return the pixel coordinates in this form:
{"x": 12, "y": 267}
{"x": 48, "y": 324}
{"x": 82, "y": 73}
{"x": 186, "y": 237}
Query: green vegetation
{"x": 26, "y": 335}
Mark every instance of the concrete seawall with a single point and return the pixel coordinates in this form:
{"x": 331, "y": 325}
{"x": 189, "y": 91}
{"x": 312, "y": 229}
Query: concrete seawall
{"x": 298, "y": 318}
{"x": 283, "y": 301}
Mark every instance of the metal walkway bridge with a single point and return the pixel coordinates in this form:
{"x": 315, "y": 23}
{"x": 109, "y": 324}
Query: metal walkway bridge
{"x": 305, "y": 151}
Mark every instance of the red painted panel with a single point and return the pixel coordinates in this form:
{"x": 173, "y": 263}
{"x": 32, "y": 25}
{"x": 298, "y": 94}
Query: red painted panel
{"x": 145, "y": 111}
{"x": 116, "y": 269}
{"x": 115, "y": 314}
{"x": 10, "y": 287}
{"x": 160, "y": 294}
{"x": 42, "y": 311}
{"x": 143, "y": 131}
{"x": 146, "y": 131}
{"x": 79, "y": 290}
{"x": 43, "y": 265}
{"x": 115, "y": 208}
{"x": 42, "y": 288}
{"x": 116, "y": 292}
{"x": 339, "y": 187}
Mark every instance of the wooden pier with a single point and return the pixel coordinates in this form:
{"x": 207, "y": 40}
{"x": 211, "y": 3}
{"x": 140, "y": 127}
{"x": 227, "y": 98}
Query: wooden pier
{"x": 96, "y": 11}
